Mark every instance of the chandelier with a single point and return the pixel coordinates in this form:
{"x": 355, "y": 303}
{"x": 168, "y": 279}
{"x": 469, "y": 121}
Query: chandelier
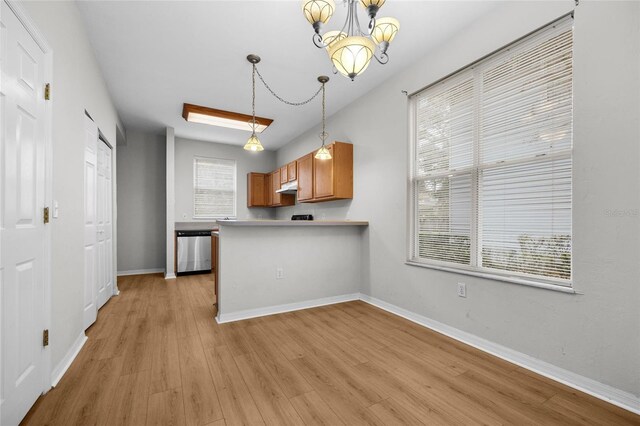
{"x": 350, "y": 49}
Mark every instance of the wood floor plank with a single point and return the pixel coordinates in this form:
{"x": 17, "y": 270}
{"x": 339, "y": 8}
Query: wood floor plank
{"x": 290, "y": 380}
{"x": 166, "y": 408}
{"x": 314, "y": 411}
{"x": 201, "y": 403}
{"x": 131, "y": 398}
{"x": 155, "y": 356}
{"x": 238, "y": 407}
{"x": 270, "y": 399}
{"x": 165, "y": 360}
{"x": 391, "y": 412}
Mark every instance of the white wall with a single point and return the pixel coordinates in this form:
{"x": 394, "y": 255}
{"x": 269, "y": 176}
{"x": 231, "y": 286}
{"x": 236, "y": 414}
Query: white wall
{"x": 77, "y": 85}
{"x": 187, "y": 149}
{"x": 141, "y": 202}
{"x": 595, "y": 333}
{"x": 318, "y": 262}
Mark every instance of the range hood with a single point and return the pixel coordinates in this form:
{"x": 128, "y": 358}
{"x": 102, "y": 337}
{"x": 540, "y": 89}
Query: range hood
{"x": 288, "y": 188}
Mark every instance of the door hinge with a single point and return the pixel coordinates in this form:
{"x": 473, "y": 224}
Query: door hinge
{"x": 47, "y": 91}
{"x": 45, "y": 337}
{"x": 46, "y": 215}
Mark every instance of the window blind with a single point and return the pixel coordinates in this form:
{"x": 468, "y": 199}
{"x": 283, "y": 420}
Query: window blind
{"x": 492, "y": 162}
{"x": 214, "y": 188}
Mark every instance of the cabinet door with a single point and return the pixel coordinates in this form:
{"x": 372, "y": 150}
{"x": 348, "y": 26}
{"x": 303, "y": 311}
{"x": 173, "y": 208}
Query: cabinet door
{"x": 323, "y": 176}
{"x": 283, "y": 175}
{"x": 268, "y": 196}
{"x": 275, "y": 185}
{"x": 256, "y": 190}
{"x": 305, "y": 177}
{"x": 291, "y": 171}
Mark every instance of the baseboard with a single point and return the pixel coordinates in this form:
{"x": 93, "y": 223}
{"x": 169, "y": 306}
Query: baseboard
{"x": 71, "y": 354}
{"x": 599, "y": 390}
{"x": 289, "y": 307}
{"x": 140, "y": 272}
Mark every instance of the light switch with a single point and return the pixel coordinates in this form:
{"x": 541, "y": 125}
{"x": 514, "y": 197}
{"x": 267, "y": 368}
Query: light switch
{"x": 55, "y": 209}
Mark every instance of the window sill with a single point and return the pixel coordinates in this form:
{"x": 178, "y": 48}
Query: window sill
{"x": 496, "y": 277}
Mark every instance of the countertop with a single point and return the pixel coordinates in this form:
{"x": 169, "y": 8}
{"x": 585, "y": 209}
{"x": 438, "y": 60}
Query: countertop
{"x": 292, "y": 223}
{"x": 196, "y": 226}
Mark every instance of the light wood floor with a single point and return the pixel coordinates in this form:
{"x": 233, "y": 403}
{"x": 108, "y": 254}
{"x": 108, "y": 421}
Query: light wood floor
{"x": 156, "y": 357}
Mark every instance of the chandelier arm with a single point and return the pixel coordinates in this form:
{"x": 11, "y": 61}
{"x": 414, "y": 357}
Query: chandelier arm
{"x": 383, "y": 59}
{"x": 284, "y": 101}
{"x": 317, "y": 40}
{"x": 357, "y": 22}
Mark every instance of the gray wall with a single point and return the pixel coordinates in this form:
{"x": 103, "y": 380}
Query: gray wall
{"x": 594, "y": 333}
{"x": 326, "y": 262}
{"x": 77, "y": 85}
{"x": 187, "y": 149}
{"x": 141, "y": 202}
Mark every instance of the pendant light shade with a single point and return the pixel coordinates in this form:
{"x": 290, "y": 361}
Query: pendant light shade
{"x": 352, "y": 55}
{"x": 253, "y": 144}
{"x": 385, "y": 30}
{"x": 332, "y": 37}
{"x": 323, "y": 153}
{"x": 318, "y": 11}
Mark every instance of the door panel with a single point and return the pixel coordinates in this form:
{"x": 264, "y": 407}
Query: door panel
{"x": 90, "y": 222}
{"x": 323, "y": 176}
{"x": 22, "y": 237}
{"x": 104, "y": 224}
{"x": 305, "y": 178}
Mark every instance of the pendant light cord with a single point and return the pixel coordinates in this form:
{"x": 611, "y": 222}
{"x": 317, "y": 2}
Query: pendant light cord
{"x": 253, "y": 99}
{"x": 323, "y": 135}
{"x": 255, "y": 69}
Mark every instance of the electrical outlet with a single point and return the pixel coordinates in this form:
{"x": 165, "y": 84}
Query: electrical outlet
{"x": 462, "y": 290}
{"x": 279, "y": 273}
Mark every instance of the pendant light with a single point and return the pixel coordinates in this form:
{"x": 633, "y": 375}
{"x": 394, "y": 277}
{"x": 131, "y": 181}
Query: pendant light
{"x": 253, "y": 144}
{"x": 323, "y": 153}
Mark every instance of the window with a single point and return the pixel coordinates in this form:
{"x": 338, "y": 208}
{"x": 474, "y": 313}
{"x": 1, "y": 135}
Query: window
{"x": 492, "y": 163}
{"x": 214, "y": 188}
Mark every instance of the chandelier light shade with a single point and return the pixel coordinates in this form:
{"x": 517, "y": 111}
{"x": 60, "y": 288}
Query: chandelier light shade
{"x": 253, "y": 144}
{"x": 332, "y": 37}
{"x": 385, "y": 30}
{"x": 318, "y": 12}
{"x": 350, "y": 49}
{"x": 372, "y": 6}
{"x": 352, "y": 55}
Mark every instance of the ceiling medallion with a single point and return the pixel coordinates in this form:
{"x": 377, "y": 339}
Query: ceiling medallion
{"x": 351, "y": 49}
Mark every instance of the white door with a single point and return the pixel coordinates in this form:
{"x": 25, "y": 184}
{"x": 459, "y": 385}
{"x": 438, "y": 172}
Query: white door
{"x": 22, "y": 200}
{"x": 104, "y": 225}
{"x": 90, "y": 222}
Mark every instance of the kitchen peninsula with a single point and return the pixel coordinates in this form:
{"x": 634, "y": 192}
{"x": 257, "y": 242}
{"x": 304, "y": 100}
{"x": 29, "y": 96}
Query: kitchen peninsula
{"x": 271, "y": 266}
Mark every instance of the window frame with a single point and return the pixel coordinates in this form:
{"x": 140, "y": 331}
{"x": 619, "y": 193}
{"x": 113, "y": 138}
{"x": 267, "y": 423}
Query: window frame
{"x": 235, "y": 188}
{"x": 473, "y": 269}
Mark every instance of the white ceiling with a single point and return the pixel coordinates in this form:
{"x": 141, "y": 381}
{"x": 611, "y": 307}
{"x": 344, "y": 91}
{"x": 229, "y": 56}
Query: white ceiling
{"x": 156, "y": 55}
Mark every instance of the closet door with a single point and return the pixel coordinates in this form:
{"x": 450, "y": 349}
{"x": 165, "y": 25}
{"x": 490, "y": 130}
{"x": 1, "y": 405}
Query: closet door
{"x": 90, "y": 222}
{"x": 104, "y": 226}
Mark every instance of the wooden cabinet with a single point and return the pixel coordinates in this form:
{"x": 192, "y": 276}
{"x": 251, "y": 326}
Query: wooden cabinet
{"x": 318, "y": 180}
{"x": 292, "y": 169}
{"x": 268, "y": 182}
{"x": 305, "y": 177}
{"x": 333, "y": 179}
{"x": 278, "y": 199}
{"x": 256, "y": 190}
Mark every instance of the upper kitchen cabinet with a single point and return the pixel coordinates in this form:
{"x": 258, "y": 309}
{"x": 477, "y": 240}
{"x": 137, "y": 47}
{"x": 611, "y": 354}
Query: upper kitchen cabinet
{"x": 277, "y": 198}
{"x": 292, "y": 171}
{"x": 257, "y": 190}
{"x": 305, "y": 177}
{"x": 333, "y": 179}
{"x": 284, "y": 175}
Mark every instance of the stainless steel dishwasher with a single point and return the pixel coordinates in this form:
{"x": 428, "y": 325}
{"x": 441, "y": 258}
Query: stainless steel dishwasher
{"x": 194, "y": 252}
